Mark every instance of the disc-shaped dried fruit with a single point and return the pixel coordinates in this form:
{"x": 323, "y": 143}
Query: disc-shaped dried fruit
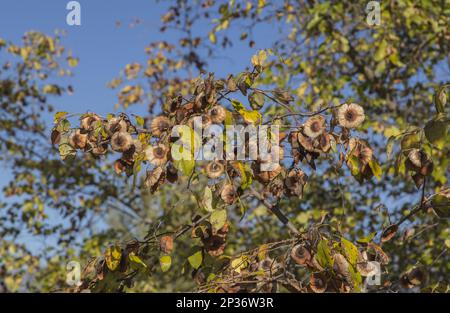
{"x": 364, "y": 267}
{"x": 417, "y": 276}
{"x": 263, "y": 175}
{"x": 341, "y": 266}
{"x": 116, "y": 124}
{"x": 159, "y": 125}
{"x": 154, "y": 178}
{"x": 228, "y": 194}
{"x": 324, "y": 142}
{"x": 295, "y": 182}
{"x": 217, "y": 114}
{"x": 166, "y": 244}
{"x": 300, "y": 255}
{"x": 87, "y": 122}
{"x": 78, "y": 140}
{"x": 314, "y": 126}
{"x": 157, "y": 155}
{"x": 214, "y": 169}
{"x": 318, "y": 283}
{"x": 350, "y": 115}
{"x": 99, "y": 149}
{"x": 121, "y": 141}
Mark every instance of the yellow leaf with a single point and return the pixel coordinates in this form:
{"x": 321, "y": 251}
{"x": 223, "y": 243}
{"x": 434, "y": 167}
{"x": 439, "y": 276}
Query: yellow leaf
{"x": 112, "y": 257}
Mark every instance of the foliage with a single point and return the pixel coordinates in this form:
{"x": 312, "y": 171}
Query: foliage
{"x": 350, "y": 190}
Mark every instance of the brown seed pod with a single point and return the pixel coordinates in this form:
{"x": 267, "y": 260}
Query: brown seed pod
{"x": 166, "y": 244}
{"x": 87, "y": 122}
{"x": 116, "y": 124}
{"x": 214, "y": 169}
{"x": 159, "y": 125}
{"x": 417, "y": 276}
{"x": 100, "y": 149}
{"x": 217, "y": 114}
{"x": 172, "y": 173}
{"x": 364, "y": 267}
{"x": 420, "y": 162}
{"x": 78, "y": 140}
{"x": 121, "y": 141}
{"x": 157, "y": 155}
{"x": 300, "y": 255}
{"x": 119, "y": 166}
{"x": 324, "y": 142}
{"x": 350, "y": 115}
{"x": 341, "y": 267}
{"x": 314, "y": 126}
{"x": 206, "y": 121}
{"x": 318, "y": 283}
{"x": 295, "y": 182}
{"x": 407, "y": 234}
{"x": 305, "y": 142}
{"x": 265, "y": 177}
{"x": 415, "y": 159}
{"x": 389, "y": 233}
{"x": 154, "y": 179}
{"x": 228, "y": 194}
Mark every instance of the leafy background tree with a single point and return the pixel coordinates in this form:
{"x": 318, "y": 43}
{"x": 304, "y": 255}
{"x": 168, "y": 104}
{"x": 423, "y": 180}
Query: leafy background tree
{"x": 323, "y": 53}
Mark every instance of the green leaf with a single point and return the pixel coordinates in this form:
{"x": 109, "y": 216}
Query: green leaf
{"x": 395, "y": 59}
{"x": 410, "y": 141}
{"x": 186, "y": 166}
{"x": 240, "y": 263}
{"x": 389, "y": 146}
{"x": 350, "y": 251}
{"x": 165, "y": 262}
{"x": 376, "y": 169}
{"x": 251, "y": 117}
{"x": 112, "y": 257}
{"x": 237, "y": 105}
{"x": 139, "y": 121}
{"x": 436, "y": 131}
{"x": 367, "y": 239}
{"x": 136, "y": 262}
{"x": 196, "y": 259}
{"x": 218, "y": 219}
{"x": 51, "y": 89}
{"x": 355, "y": 165}
{"x": 59, "y": 115}
{"x": 246, "y": 175}
{"x": 440, "y": 99}
{"x": 66, "y": 151}
{"x": 212, "y": 37}
{"x": 207, "y": 200}
{"x": 441, "y": 205}
{"x": 381, "y": 52}
{"x": 256, "y": 100}
{"x": 324, "y": 255}
{"x": 73, "y": 62}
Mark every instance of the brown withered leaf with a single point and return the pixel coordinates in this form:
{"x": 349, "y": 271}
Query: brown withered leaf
{"x": 389, "y": 233}
{"x": 166, "y": 244}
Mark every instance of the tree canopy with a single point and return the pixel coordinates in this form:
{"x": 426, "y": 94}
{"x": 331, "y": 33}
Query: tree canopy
{"x": 361, "y": 188}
